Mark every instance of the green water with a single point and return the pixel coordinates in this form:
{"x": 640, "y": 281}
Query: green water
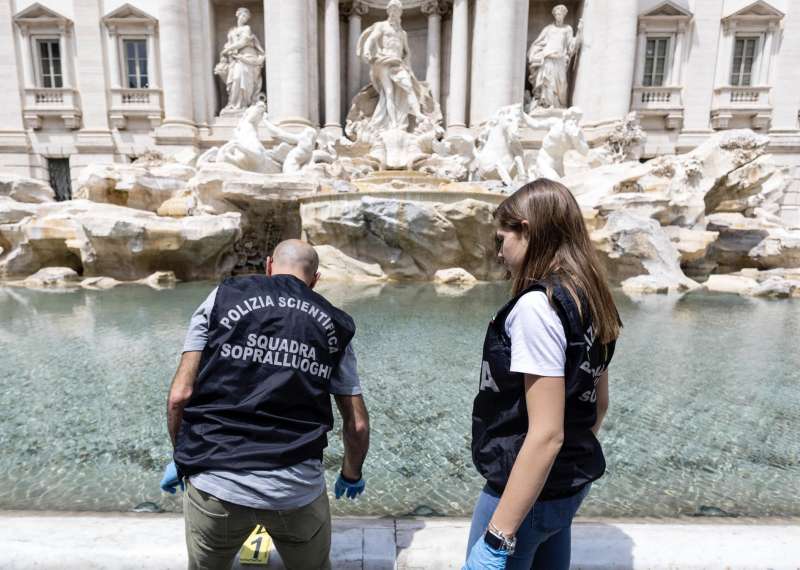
{"x": 705, "y": 400}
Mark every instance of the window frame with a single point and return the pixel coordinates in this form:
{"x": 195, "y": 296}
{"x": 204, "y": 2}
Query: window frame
{"x": 123, "y": 64}
{"x": 666, "y": 74}
{"x": 755, "y": 65}
{"x": 39, "y": 74}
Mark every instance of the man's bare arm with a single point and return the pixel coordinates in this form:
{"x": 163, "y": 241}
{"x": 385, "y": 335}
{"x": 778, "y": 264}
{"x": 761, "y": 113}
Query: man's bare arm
{"x": 181, "y": 391}
{"x": 355, "y": 433}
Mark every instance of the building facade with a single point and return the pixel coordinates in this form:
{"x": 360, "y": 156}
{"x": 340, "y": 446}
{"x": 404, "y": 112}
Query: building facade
{"x": 107, "y": 80}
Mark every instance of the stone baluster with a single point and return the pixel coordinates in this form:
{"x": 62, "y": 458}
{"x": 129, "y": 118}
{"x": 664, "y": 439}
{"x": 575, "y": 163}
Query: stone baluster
{"x": 434, "y": 10}
{"x": 176, "y": 69}
{"x": 459, "y": 46}
{"x": 356, "y": 10}
{"x": 333, "y": 99}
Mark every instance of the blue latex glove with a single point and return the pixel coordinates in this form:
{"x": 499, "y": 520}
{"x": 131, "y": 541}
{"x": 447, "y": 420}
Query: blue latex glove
{"x": 484, "y": 557}
{"x": 350, "y": 488}
{"x": 170, "y": 481}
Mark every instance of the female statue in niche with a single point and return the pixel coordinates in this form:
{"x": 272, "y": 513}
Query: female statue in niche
{"x": 549, "y": 59}
{"x": 240, "y": 65}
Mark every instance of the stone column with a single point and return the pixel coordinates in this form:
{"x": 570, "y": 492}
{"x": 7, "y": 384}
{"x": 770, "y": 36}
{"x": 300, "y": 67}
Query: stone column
{"x": 641, "y": 43}
{"x": 28, "y": 73}
{"x": 152, "y": 68}
{"x": 91, "y": 69}
{"x": 493, "y": 58}
{"x": 113, "y": 54}
{"x": 613, "y": 55}
{"x": 459, "y": 56}
{"x": 285, "y": 31}
{"x": 433, "y": 70}
{"x": 93, "y": 142}
{"x": 176, "y": 69}
{"x": 676, "y": 73}
{"x": 66, "y": 74}
{"x": 12, "y": 132}
{"x": 333, "y": 94}
{"x": 357, "y": 9}
{"x": 197, "y": 45}
{"x": 766, "y": 56}
{"x": 725, "y": 59}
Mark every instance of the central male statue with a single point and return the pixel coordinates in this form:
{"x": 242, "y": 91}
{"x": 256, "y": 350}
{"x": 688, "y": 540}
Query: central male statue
{"x": 395, "y": 98}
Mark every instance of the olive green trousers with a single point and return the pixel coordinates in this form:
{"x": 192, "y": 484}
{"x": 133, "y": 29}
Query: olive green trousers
{"x": 216, "y": 529}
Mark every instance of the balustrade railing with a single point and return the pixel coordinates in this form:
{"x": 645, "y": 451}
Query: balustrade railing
{"x": 645, "y": 98}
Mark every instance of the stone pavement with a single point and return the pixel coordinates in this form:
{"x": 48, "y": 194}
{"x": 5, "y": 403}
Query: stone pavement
{"x": 155, "y": 541}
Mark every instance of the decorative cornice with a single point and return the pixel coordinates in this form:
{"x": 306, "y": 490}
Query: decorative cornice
{"x": 129, "y": 16}
{"x": 38, "y": 16}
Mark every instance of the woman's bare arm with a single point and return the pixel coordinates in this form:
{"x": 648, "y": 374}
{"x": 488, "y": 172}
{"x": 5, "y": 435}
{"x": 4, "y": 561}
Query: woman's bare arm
{"x": 544, "y": 396}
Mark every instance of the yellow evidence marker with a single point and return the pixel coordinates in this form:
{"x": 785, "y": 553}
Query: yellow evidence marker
{"x": 255, "y": 549}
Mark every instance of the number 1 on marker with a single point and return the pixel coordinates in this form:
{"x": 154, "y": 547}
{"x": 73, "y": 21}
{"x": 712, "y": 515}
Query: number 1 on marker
{"x": 255, "y": 549}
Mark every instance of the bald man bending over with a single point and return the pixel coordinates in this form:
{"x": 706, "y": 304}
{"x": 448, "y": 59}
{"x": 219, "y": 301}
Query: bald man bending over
{"x": 249, "y": 410}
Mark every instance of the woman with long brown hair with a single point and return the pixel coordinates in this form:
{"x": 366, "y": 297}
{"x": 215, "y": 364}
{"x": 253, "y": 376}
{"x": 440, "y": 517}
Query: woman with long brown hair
{"x": 543, "y": 385}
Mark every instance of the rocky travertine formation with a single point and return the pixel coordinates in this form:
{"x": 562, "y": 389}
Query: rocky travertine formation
{"x": 68, "y": 278}
{"x": 409, "y": 239}
{"x": 719, "y": 206}
{"x": 640, "y": 255}
{"x": 752, "y": 282}
{"x": 123, "y": 243}
{"x": 660, "y": 226}
{"x": 142, "y": 187}
{"x": 23, "y": 189}
{"x": 454, "y": 276}
{"x": 336, "y": 266}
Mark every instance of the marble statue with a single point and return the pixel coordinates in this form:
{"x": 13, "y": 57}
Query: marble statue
{"x": 549, "y": 59}
{"x": 563, "y": 134}
{"x": 626, "y": 140}
{"x": 499, "y": 153}
{"x": 293, "y": 154}
{"x": 394, "y": 98}
{"x": 240, "y": 64}
{"x": 245, "y": 150}
{"x": 297, "y": 151}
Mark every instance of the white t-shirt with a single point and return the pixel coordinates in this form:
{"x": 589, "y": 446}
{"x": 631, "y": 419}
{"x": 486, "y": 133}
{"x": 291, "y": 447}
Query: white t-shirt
{"x": 538, "y": 342}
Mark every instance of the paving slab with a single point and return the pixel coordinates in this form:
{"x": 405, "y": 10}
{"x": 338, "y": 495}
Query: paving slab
{"x": 67, "y": 541}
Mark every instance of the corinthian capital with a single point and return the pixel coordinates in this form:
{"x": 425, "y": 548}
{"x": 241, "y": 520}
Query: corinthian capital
{"x": 431, "y": 7}
{"x": 356, "y": 8}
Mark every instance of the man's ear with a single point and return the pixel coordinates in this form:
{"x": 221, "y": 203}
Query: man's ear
{"x": 314, "y": 280}
{"x": 268, "y": 266}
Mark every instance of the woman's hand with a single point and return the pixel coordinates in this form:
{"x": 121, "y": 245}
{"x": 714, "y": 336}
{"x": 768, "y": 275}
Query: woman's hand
{"x": 484, "y": 557}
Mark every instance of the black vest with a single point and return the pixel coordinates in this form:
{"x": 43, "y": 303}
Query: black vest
{"x": 500, "y": 415}
{"x": 261, "y": 397}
